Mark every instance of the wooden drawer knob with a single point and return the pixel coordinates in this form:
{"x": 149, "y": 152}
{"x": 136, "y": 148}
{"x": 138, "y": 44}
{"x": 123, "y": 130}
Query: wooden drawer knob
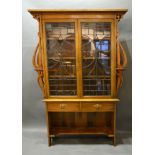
{"x": 97, "y": 106}
{"x": 62, "y": 106}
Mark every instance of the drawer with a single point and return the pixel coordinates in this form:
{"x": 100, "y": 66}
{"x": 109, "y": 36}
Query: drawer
{"x": 63, "y": 106}
{"x": 97, "y": 107}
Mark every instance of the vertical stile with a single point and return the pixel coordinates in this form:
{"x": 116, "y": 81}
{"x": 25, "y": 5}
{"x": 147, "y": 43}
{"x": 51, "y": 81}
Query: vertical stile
{"x": 113, "y": 59}
{"x": 79, "y": 60}
{"x": 43, "y": 34}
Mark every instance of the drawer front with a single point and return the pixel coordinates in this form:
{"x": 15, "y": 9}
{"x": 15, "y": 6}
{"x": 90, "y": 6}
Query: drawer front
{"x": 97, "y": 107}
{"x": 63, "y": 107}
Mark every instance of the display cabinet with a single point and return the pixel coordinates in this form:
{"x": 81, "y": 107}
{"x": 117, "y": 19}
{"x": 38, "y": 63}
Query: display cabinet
{"x": 79, "y": 61}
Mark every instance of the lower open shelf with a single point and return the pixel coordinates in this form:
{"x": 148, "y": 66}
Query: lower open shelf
{"x": 78, "y": 131}
{"x": 81, "y": 123}
{"x": 97, "y": 123}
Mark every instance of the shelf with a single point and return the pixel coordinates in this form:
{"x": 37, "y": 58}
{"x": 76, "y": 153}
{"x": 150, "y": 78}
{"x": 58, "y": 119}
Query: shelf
{"x": 73, "y": 58}
{"x": 93, "y": 58}
{"x": 68, "y": 39}
{"x": 104, "y": 38}
{"x": 54, "y": 85}
{"x": 63, "y": 90}
{"x": 61, "y": 79}
{"x": 58, "y": 58}
{"x": 97, "y": 90}
{"x": 84, "y": 39}
{"x": 88, "y": 85}
{"x": 89, "y": 130}
{"x": 93, "y": 76}
{"x": 51, "y": 77}
{"x": 62, "y": 76}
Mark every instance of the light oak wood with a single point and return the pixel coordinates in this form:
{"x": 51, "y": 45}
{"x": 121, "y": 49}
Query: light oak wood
{"x": 80, "y": 106}
{"x": 64, "y": 107}
{"x": 78, "y": 62}
{"x": 79, "y": 131}
{"x": 79, "y": 114}
{"x": 97, "y": 107}
{"x": 124, "y": 10}
{"x": 81, "y": 100}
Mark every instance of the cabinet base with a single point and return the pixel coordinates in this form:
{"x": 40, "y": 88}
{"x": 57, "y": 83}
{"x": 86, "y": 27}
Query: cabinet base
{"x": 50, "y": 138}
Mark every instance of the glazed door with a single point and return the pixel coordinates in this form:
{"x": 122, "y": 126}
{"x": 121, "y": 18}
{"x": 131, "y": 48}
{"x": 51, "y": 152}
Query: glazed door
{"x": 61, "y": 53}
{"x": 96, "y": 54}
{"x": 80, "y": 58}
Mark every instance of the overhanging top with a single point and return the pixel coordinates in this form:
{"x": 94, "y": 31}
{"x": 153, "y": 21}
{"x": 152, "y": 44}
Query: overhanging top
{"x": 118, "y": 13}
{"x": 122, "y": 11}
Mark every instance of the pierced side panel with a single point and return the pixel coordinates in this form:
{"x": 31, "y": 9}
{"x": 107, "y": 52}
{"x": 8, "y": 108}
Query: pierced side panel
{"x": 121, "y": 64}
{"x": 37, "y": 63}
{"x": 37, "y": 59}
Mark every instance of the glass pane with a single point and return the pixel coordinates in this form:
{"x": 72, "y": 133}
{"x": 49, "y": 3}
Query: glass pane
{"x": 96, "y": 55}
{"x": 60, "y": 41}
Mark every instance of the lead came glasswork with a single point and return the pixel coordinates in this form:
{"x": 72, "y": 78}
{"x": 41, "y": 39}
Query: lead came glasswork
{"x": 96, "y": 54}
{"x": 60, "y": 44}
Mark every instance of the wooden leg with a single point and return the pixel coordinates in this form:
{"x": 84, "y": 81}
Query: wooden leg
{"x": 49, "y": 141}
{"x": 48, "y": 125}
{"x": 114, "y": 141}
{"x": 114, "y": 126}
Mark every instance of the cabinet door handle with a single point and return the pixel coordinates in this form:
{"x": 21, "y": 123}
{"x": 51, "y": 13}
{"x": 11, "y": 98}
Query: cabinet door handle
{"x": 62, "y": 106}
{"x": 97, "y": 106}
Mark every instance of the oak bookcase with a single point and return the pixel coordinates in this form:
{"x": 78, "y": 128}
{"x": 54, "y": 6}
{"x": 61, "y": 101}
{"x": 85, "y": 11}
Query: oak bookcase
{"x": 79, "y": 61}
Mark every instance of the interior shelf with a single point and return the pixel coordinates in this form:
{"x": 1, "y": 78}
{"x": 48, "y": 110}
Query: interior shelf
{"x": 61, "y": 76}
{"x": 93, "y": 58}
{"x": 58, "y": 58}
{"x": 106, "y": 38}
{"x": 98, "y": 76}
{"x": 72, "y": 39}
{"x": 52, "y": 38}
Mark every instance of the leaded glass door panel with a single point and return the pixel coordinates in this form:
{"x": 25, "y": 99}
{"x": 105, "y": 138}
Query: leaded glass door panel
{"x": 61, "y": 55}
{"x": 96, "y": 58}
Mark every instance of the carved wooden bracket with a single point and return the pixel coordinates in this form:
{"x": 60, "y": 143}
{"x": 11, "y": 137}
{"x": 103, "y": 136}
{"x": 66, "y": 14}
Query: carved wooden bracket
{"x": 118, "y": 17}
{"x": 121, "y": 64}
{"x": 37, "y": 17}
{"x": 37, "y": 63}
